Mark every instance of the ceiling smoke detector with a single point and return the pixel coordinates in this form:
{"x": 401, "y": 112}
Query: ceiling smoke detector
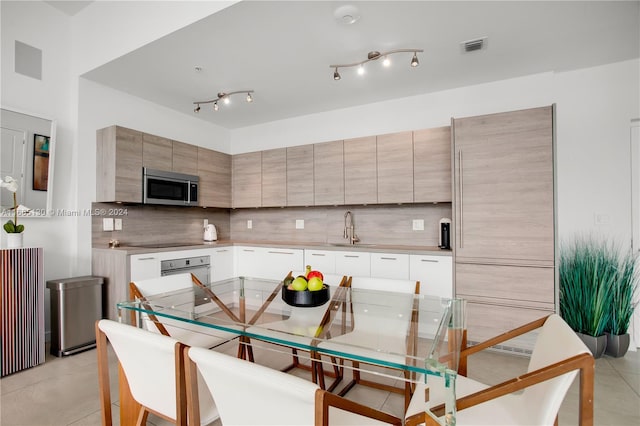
{"x": 346, "y": 15}
{"x": 473, "y": 45}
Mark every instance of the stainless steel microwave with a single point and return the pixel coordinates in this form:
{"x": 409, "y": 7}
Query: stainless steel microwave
{"x": 169, "y": 188}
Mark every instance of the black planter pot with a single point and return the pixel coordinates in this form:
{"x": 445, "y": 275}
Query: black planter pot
{"x": 617, "y": 345}
{"x": 596, "y": 344}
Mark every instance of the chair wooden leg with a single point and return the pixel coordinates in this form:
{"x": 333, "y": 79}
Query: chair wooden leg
{"x": 143, "y": 414}
{"x": 103, "y": 377}
{"x": 587, "y": 373}
{"x": 191, "y": 385}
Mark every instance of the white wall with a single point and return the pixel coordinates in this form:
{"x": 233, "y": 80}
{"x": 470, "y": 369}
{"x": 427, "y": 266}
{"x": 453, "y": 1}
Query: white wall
{"x": 594, "y": 108}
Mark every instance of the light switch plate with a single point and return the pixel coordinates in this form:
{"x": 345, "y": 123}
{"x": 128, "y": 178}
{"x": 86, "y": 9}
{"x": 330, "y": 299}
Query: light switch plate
{"x": 117, "y": 224}
{"x": 418, "y": 224}
{"x": 249, "y": 224}
{"x": 299, "y": 223}
{"x": 107, "y": 224}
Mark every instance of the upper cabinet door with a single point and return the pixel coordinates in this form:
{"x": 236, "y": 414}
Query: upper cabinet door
{"x": 185, "y": 158}
{"x": 274, "y": 177}
{"x": 300, "y": 175}
{"x": 119, "y": 165}
{"x": 328, "y": 167}
{"x": 247, "y": 179}
{"x": 214, "y": 171}
{"x": 157, "y": 152}
{"x": 360, "y": 171}
{"x": 432, "y": 165}
{"x": 395, "y": 168}
{"x": 503, "y": 183}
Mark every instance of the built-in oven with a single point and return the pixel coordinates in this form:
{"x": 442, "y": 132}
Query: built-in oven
{"x": 169, "y": 188}
{"x": 200, "y": 266}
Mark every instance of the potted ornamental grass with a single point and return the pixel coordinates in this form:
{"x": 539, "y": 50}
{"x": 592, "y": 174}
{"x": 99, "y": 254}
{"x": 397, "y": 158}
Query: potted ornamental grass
{"x": 588, "y": 273}
{"x": 11, "y": 227}
{"x": 623, "y": 293}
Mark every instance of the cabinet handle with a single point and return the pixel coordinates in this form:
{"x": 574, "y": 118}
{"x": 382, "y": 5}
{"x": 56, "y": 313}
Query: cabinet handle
{"x": 146, "y": 258}
{"x": 318, "y": 254}
{"x": 221, "y": 251}
{"x": 279, "y": 252}
{"x": 248, "y": 250}
{"x": 351, "y": 255}
{"x": 429, "y": 260}
{"x": 389, "y": 258}
{"x": 460, "y": 204}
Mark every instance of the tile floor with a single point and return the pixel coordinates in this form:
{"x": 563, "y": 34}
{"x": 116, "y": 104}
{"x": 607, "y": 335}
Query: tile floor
{"x": 64, "y": 391}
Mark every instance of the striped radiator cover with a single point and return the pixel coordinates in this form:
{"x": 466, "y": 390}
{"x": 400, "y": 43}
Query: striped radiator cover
{"x": 22, "y": 303}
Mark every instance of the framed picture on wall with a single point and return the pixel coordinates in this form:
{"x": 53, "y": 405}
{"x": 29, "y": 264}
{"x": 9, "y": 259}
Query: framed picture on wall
{"x": 40, "y": 162}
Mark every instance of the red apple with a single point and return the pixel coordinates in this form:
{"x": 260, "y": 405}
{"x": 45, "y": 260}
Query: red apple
{"x": 315, "y": 274}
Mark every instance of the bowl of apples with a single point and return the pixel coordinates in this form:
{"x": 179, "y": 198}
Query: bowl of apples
{"x": 306, "y": 291}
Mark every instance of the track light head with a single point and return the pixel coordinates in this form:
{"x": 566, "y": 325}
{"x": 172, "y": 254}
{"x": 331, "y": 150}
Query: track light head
{"x": 197, "y": 109}
{"x": 386, "y": 61}
{"x": 414, "y": 60}
{"x": 249, "y": 97}
{"x": 215, "y": 106}
{"x": 336, "y": 74}
{"x": 360, "y": 70}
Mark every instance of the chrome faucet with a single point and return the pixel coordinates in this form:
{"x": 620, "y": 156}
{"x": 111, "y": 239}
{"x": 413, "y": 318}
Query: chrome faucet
{"x": 349, "y": 228}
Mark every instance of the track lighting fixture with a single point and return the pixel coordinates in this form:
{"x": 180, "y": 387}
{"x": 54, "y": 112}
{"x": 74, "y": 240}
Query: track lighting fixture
{"x": 375, "y": 55}
{"x": 224, "y": 97}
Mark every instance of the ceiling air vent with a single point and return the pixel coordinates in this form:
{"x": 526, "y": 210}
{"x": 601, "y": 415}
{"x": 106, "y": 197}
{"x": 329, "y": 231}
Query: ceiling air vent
{"x": 473, "y": 45}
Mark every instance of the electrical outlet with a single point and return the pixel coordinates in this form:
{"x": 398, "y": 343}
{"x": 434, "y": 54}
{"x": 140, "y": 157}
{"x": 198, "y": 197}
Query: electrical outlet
{"x": 601, "y": 219}
{"x": 107, "y": 224}
{"x": 418, "y": 224}
{"x": 249, "y": 224}
{"x": 117, "y": 224}
{"x": 299, "y": 223}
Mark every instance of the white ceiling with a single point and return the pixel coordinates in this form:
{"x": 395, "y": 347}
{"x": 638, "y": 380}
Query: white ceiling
{"x": 283, "y": 50}
{"x": 69, "y": 7}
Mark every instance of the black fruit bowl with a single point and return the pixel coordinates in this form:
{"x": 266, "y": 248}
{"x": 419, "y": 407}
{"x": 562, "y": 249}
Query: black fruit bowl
{"x": 306, "y": 298}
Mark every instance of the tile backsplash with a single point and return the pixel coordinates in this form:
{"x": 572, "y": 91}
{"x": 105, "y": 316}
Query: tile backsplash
{"x": 380, "y": 224}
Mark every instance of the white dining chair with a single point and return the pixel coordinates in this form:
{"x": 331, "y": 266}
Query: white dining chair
{"x": 384, "y": 318}
{"x": 153, "y": 367}
{"x": 174, "y": 295}
{"x": 531, "y": 399}
{"x": 303, "y": 325}
{"x": 251, "y": 394}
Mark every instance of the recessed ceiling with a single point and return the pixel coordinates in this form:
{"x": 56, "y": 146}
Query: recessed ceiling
{"x": 69, "y": 7}
{"x": 282, "y": 50}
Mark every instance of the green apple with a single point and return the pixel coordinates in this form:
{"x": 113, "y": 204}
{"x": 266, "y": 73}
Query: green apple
{"x": 315, "y": 284}
{"x": 299, "y": 284}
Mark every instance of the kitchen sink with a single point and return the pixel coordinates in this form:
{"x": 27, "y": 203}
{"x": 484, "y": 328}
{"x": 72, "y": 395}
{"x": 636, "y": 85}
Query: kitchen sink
{"x": 352, "y": 245}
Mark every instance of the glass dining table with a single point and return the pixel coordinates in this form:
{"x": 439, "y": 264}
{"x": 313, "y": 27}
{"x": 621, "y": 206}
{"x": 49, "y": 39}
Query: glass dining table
{"x": 391, "y": 336}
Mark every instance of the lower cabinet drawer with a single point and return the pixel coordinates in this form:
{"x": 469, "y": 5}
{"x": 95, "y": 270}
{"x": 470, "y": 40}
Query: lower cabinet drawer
{"x": 485, "y": 321}
{"x": 390, "y": 265}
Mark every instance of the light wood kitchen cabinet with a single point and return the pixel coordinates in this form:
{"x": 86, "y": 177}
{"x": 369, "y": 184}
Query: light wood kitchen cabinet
{"x": 246, "y": 174}
{"x": 300, "y": 175}
{"x": 504, "y": 220}
{"x": 214, "y": 171}
{"x": 432, "y": 165}
{"x": 328, "y": 176}
{"x": 184, "y": 158}
{"x": 274, "y": 177}
{"x": 119, "y": 165}
{"x": 395, "y": 167}
{"x": 157, "y": 152}
{"x": 504, "y": 187}
{"x": 360, "y": 171}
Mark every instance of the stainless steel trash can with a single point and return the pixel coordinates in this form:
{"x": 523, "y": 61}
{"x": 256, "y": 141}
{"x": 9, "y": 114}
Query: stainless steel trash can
{"x": 76, "y": 304}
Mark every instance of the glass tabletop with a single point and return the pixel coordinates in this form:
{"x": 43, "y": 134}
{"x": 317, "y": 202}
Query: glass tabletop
{"x": 416, "y": 334}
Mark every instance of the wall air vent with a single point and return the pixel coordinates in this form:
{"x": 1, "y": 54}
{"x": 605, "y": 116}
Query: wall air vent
{"x": 473, "y": 45}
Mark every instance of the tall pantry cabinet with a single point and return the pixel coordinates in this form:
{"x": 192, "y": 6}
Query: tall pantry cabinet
{"x": 504, "y": 220}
